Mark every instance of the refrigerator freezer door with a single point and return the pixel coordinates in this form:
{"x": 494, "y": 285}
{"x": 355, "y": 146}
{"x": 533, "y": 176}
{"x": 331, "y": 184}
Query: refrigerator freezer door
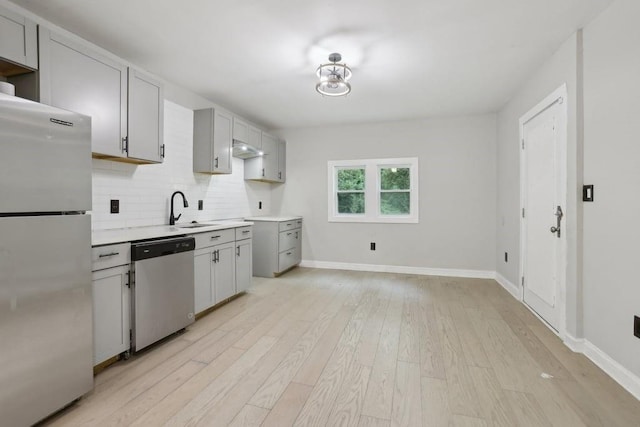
{"x": 45, "y": 315}
{"x": 45, "y": 158}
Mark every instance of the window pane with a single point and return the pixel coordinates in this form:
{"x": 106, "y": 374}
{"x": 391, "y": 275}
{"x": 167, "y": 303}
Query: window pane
{"x": 350, "y": 179}
{"x": 395, "y": 179}
{"x": 350, "y": 203}
{"x": 395, "y": 203}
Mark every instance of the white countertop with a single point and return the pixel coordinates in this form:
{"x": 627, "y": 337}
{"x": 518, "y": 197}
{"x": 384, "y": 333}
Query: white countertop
{"x": 274, "y": 218}
{"x": 120, "y": 235}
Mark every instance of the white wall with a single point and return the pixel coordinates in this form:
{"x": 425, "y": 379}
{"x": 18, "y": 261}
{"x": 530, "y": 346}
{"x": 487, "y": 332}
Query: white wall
{"x": 612, "y": 164}
{"x": 601, "y": 67}
{"x": 457, "y": 192}
{"x": 144, "y": 190}
{"x": 561, "y": 68}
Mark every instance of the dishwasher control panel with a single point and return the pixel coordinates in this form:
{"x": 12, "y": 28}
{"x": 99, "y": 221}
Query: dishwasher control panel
{"x": 156, "y": 248}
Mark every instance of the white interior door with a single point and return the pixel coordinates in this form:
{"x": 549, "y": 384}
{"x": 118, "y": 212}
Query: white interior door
{"x": 544, "y": 141}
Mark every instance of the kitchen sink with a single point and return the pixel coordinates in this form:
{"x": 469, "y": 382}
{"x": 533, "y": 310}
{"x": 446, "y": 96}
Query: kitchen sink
{"x": 193, "y": 225}
{"x": 198, "y": 224}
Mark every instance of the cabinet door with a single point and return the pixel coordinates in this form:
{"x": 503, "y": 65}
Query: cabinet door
{"x": 222, "y": 138}
{"x": 146, "y": 115}
{"x": 270, "y": 158}
{"x": 18, "y": 39}
{"x": 243, "y": 265}
{"x": 77, "y": 79}
{"x": 111, "y": 313}
{"x": 240, "y": 130}
{"x": 298, "y": 246}
{"x": 224, "y": 271}
{"x": 203, "y": 279}
{"x": 282, "y": 161}
{"x": 255, "y": 137}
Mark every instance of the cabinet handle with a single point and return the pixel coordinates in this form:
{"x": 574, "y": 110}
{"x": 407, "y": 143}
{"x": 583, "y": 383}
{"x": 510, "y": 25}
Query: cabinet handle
{"x": 246, "y": 231}
{"x": 125, "y": 144}
{"x": 215, "y": 237}
{"x": 289, "y": 225}
{"x": 216, "y": 256}
{"x": 108, "y": 255}
{"x": 162, "y": 151}
{"x": 288, "y": 234}
{"x": 279, "y": 175}
{"x": 288, "y": 253}
{"x": 238, "y": 251}
{"x": 296, "y": 234}
{"x": 262, "y": 171}
{"x": 215, "y": 163}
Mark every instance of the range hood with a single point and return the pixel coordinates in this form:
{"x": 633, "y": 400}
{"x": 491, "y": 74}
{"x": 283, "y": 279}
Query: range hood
{"x": 242, "y": 150}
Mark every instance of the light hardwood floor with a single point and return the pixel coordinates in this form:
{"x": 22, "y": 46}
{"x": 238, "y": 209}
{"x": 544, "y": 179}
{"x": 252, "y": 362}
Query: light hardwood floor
{"x": 338, "y": 348}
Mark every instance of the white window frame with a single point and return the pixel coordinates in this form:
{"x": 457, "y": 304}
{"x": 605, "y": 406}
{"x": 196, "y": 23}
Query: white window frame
{"x": 372, "y": 190}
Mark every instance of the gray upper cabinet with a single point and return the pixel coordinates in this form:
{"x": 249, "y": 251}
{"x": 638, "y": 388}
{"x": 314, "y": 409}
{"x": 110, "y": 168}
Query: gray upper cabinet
{"x": 146, "y": 116}
{"x": 255, "y": 137}
{"x": 125, "y": 105}
{"x": 282, "y": 161}
{"x": 18, "y": 42}
{"x": 212, "y": 138}
{"x": 75, "y": 78}
{"x": 240, "y": 130}
{"x": 270, "y": 157}
{"x": 269, "y": 167}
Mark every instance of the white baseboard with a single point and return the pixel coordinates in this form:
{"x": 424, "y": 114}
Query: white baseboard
{"x": 422, "y": 271}
{"x": 575, "y": 344}
{"x": 624, "y": 377}
{"x": 509, "y": 286}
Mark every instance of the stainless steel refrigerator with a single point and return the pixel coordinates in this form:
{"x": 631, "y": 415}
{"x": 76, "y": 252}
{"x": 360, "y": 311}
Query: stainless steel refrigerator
{"x": 46, "y": 338}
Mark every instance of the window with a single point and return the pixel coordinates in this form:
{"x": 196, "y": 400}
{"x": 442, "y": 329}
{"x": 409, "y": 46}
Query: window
{"x": 374, "y": 190}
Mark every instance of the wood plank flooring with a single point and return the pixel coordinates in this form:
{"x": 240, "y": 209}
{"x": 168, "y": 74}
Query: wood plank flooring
{"x": 339, "y": 348}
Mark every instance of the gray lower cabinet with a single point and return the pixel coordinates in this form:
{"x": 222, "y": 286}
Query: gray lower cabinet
{"x": 215, "y": 268}
{"x": 111, "y": 301}
{"x": 126, "y": 106}
{"x": 18, "y": 42}
{"x": 277, "y": 246}
{"x": 224, "y": 271}
{"x": 212, "y": 141}
{"x": 244, "y": 259}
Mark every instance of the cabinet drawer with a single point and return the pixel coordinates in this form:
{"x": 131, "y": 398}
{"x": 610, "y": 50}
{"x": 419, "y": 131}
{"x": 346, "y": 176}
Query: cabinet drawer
{"x": 215, "y": 237}
{"x": 243, "y": 233}
{"x": 110, "y": 256}
{"x": 288, "y": 239}
{"x": 290, "y": 225}
{"x": 287, "y": 259}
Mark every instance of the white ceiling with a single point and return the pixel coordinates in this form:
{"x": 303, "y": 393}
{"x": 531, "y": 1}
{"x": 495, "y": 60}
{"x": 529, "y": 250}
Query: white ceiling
{"x": 410, "y": 58}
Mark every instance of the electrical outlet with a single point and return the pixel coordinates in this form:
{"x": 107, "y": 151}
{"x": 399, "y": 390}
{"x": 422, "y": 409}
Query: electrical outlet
{"x": 506, "y": 257}
{"x": 636, "y": 326}
{"x": 259, "y": 205}
{"x": 115, "y": 206}
{"x": 200, "y": 205}
{"x": 373, "y": 246}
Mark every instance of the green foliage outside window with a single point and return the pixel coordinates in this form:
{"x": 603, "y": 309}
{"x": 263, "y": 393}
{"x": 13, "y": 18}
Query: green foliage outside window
{"x": 351, "y": 191}
{"x": 395, "y": 186}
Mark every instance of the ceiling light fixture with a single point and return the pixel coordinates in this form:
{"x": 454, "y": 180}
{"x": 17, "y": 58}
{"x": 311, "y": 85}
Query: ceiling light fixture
{"x": 333, "y": 77}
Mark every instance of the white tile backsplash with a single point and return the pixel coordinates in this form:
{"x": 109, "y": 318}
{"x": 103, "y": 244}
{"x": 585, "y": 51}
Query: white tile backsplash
{"x": 144, "y": 191}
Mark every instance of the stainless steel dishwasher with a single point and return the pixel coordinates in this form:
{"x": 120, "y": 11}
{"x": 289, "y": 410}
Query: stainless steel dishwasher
{"x": 163, "y": 288}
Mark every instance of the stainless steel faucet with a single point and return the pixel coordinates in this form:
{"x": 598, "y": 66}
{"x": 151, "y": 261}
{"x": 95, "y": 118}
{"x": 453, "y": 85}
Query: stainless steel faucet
{"x": 172, "y": 218}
